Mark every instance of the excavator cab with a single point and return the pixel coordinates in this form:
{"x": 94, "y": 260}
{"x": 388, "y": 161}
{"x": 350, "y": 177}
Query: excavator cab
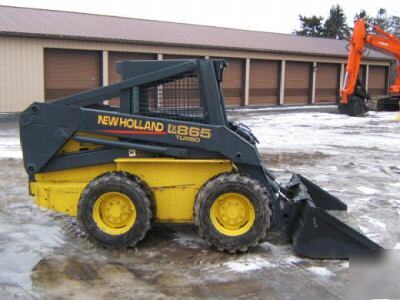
{"x": 167, "y": 153}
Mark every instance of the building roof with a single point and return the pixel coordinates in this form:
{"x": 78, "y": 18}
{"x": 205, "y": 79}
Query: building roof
{"x": 17, "y": 21}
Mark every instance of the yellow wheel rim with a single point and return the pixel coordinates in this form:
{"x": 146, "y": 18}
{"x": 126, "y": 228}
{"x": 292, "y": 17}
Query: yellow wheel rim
{"x": 232, "y": 214}
{"x": 114, "y": 213}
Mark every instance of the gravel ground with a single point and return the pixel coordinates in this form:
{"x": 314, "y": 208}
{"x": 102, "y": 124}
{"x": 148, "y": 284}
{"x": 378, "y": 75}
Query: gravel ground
{"x": 44, "y": 255}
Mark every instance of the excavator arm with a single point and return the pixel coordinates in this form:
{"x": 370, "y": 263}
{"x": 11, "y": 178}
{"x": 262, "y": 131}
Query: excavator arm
{"x": 353, "y": 99}
{"x": 390, "y": 44}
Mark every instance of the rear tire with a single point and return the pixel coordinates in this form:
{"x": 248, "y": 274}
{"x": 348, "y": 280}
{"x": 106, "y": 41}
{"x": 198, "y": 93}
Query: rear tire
{"x": 232, "y": 212}
{"x": 115, "y": 210}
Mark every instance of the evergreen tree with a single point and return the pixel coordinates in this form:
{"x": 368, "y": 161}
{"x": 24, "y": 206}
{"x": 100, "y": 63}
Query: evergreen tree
{"x": 363, "y": 14}
{"x": 310, "y": 26}
{"x": 394, "y": 25}
{"x": 335, "y": 26}
{"x": 381, "y": 19}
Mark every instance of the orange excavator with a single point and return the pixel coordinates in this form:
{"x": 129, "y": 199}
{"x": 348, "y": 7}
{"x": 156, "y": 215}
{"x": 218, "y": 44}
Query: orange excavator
{"x": 354, "y": 99}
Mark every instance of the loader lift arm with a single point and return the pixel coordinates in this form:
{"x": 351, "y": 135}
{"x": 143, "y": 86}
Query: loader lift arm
{"x": 352, "y": 98}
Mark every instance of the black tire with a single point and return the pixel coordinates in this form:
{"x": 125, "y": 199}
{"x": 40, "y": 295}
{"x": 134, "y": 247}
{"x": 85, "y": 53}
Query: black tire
{"x": 148, "y": 192}
{"x": 253, "y": 190}
{"x": 125, "y": 184}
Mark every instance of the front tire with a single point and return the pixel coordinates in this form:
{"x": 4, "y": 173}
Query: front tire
{"x": 115, "y": 210}
{"x": 232, "y": 212}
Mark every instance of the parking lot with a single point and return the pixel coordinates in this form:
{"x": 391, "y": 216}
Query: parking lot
{"x": 44, "y": 254}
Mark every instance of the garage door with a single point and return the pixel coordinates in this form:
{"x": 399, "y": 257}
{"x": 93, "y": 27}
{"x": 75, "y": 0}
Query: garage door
{"x": 264, "y": 82}
{"x": 361, "y": 74}
{"x": 377, "y": 80}
{"x": 327, "y": 83}
{"x": 297, "y": 83}
{"x": 68, "y": 72}
{"x": 114, "y": 57}
{"x": 113, "y": 75}
{"x": 232, "y": 83}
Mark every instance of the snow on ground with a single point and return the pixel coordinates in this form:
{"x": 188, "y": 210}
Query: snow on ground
{"x": 326, "y": 132}
{"x": 320, "y": 271}
{"x": 9, "y": 140}
{"x": 284, "y": 108}
{"x": 248, "y": 264}
{"x": 293, "y": 260}
{"x": 356, "y": 159}
{"x": 10, "y": 148}
{"x": 367, "y": 190}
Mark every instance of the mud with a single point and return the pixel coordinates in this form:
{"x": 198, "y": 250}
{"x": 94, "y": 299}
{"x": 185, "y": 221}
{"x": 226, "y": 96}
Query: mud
{"x": 45, "y": 255}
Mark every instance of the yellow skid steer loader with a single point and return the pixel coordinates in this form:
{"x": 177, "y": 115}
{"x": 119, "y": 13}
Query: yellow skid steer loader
{"x": 168, "y": 153}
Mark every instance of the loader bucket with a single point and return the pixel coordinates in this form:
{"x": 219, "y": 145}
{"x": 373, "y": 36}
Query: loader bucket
{"x": 320, "y": 197}
{"x": 316, "y": 233}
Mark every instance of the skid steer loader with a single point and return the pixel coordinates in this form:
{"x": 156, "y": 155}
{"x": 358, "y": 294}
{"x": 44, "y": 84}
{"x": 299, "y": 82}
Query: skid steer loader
{"x": 169, "y": 154}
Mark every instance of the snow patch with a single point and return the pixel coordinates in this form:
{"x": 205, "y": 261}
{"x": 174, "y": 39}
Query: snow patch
{"x": 248, "y": 264}
{"x": 10, "y": 149}
{"x": 9, "y": 143}
{"x": 320, "y": 271}
{"x": 395, "y": 184}
{"x": 267, "y": 246}
{"x": 367, "y": 190}
{"x": 189, "y": 241}
{"x": 283, "y": 108}
{"x": 374, "y": 222}
{"x": 327, "y": 132}
{"x": 293, "y": 260}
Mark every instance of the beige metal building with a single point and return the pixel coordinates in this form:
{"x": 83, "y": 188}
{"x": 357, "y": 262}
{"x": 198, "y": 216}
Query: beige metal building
{"x": 49, "y": 54}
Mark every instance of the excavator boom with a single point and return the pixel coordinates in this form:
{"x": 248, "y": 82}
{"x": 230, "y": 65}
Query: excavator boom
{"x": 357, "y": 44}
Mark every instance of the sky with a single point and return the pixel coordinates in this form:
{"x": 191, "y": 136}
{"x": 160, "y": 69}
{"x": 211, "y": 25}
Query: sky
{"x": 264, "y": 15}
